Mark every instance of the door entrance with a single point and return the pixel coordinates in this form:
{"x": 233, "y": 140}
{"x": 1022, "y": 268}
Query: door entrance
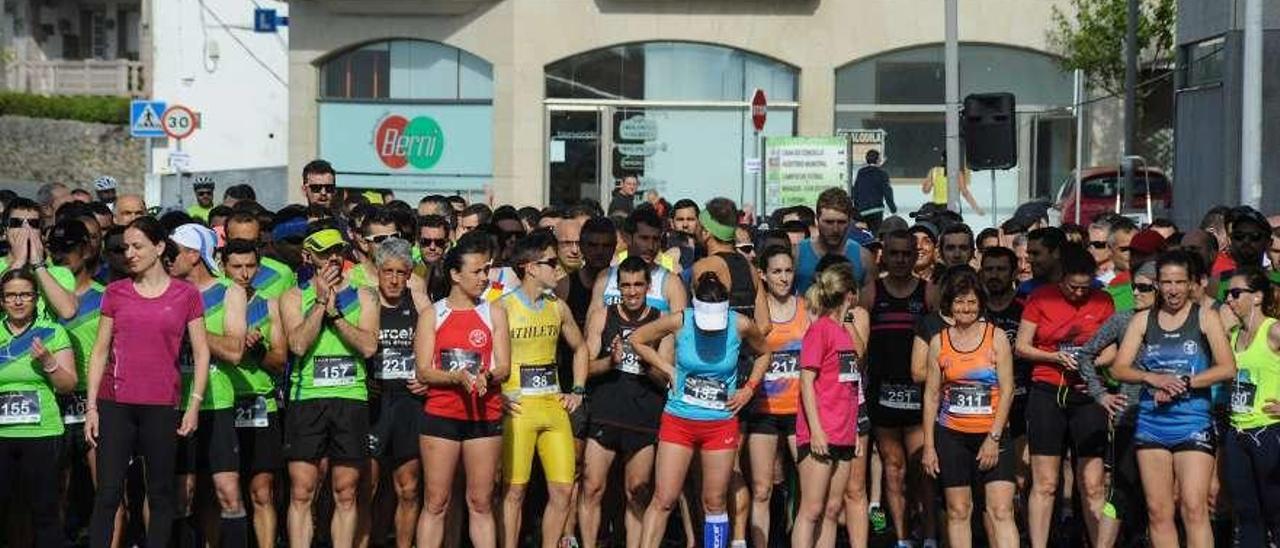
{"x": 574, "y": 161}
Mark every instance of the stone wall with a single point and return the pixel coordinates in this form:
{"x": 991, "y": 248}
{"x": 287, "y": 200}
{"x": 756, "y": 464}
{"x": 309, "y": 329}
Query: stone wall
{"x": 41, "y": 151}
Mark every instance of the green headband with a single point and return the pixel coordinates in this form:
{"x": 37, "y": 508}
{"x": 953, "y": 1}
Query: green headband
{"x": 720, "y": 231}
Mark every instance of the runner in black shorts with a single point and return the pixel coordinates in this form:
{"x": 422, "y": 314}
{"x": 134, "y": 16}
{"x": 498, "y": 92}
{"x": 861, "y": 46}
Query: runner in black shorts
{"x": 627, "y": 398}
{"x": 395, "y": 410}
{"x": 1057, "y": 320}
{"x": 257, "y": 416}
{"x": 895, "y": 303}
{"x": 332, "y": 327}
{"x": 999, "y": 264}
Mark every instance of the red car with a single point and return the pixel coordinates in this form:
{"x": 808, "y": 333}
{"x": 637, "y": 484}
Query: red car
{"x": 1102, "y": 191}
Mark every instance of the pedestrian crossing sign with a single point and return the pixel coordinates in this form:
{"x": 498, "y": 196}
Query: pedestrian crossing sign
{"x": 145, "y": 118}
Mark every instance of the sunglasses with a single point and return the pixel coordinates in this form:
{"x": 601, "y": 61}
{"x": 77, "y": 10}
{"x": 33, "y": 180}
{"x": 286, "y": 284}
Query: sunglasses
{"x": 204, "y": 193}
{"x": 322, "y": 189}
{"x": 1124, "y": 248}
{"x": 1254, "y": 237}
{"x": 434, "y": 242}
{"x": 1236, "y": 292}
{"x": 1144, "y": 288}
{"x": 17, "y": 222}
{"x": 1098, "y": 245}
{"x": 381, "y": 237}
{"x": 746, "y": 248}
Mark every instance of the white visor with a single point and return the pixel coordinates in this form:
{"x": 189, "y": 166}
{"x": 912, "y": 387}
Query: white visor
{"x": 711, "y": 316}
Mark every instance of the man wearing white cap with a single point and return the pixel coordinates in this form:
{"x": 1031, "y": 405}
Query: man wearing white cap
{"x": 215, "y": 448}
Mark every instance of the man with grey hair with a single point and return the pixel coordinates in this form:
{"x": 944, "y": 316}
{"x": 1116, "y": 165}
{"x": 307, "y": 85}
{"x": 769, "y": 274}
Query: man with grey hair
{"x": 50, "y": 196}
{"x": 395, "y": 411}
{"x": 1099, "y": 231}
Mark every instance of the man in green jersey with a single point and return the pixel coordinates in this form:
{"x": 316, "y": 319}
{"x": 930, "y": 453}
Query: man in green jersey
{"x": 203, "y": 188}
{"x": 331, "y": 325}
{"x": 26, "y": 248}
{"x": 273, "y": 277}
{"x": 257, "y": 418}
{"x": 214, "y": 449}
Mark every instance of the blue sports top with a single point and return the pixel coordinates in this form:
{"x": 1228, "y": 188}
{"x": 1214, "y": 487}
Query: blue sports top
{"x": 706, "y": 371}
{"x": 1182, "y": 351}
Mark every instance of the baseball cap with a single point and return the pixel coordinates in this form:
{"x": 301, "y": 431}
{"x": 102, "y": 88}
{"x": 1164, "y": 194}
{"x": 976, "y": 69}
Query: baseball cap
{"x": 200, "y": 238}
{"x": 927, "y": 227}
{"x": 1147, "y": 242}
{"x": 66, "y": 235}
{"x": 324, "y": 239}
{"x": 296, "y": 226}
{"x": 711, "y": 316}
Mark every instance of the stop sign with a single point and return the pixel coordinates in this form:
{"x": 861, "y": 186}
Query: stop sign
{"x": 759, "y": 109}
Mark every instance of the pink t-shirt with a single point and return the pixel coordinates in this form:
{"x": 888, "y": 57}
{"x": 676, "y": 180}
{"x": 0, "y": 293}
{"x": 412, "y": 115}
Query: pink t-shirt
{"x": 828, "y": 350}
{"x": 142, "y": 367}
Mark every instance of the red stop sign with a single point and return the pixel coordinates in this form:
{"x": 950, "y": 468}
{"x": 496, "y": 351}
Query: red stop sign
{"x": 759, "y": 109}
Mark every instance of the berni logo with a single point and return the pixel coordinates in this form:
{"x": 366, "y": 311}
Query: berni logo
{"x": 400, "y": 142}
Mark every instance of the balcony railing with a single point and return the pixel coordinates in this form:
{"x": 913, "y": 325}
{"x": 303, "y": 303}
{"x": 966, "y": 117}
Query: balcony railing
{"x": 83, "y": 77}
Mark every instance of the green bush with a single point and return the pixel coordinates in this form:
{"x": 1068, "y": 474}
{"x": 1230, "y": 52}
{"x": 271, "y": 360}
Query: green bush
{"x": 102, "y": 109}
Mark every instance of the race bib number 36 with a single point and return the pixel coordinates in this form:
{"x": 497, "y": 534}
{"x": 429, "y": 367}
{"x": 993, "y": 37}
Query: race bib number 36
{"x": 334, "y": 371}
{"x": 539, "y": 380}
{"x": 20, "y": 407}
{"x": 705, "y": 392}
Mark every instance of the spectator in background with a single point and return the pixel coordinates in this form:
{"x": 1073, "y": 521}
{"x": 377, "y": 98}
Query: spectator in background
{"x": 203, "y": 188}
{"x": 988, "y": 237}
{"x": 472, "y": 216}
{"x": 458, "y": 203}
{"x": 935, "y": 184}
{"x": 1164, "y": 226}
{"x": 624, "y": 196}
{"x": 105, "y": 187}
{"x": 51, "y": 196}
{"x": 218, "y": 216}
{"x": 81, "y": 195}
{"x": 1250, "y": 235}
{"x": 1215, "y": 222}
{"x": 684, "y": 216}
{"x": 235, "y": 194}
{"x": 549, "y": 217}
{"x": 872, "y": 192}
{"x": 128, "y": 208}
{"x": 319, "y": 184}
{"x": 1043, "y": 254}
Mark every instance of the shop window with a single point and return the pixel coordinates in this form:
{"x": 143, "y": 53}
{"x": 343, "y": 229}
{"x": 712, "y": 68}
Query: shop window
{"x": 406, "y": 69}
{"x": 1202, "y": 62}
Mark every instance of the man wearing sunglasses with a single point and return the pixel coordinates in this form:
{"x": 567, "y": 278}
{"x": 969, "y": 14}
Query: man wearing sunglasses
{"x": 26, "y": 249}
{"x": 1099, "y": 230}
{"x": 331, "y": 326}
{"x": 203, "y": 188}
{"x": 376, "y": 227}
{"x": 1250, "y": 238}
{"x": 319, "y": 184}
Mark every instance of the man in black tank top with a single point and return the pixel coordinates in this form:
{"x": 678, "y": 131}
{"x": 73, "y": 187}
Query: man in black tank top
{"x": 585, "y": 247}
{"x": 627, "y": 399}
{"x": 396, "y": 397}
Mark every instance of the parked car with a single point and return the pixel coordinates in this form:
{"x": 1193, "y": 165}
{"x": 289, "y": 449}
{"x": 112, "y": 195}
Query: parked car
{"x": 1102, "y": 191}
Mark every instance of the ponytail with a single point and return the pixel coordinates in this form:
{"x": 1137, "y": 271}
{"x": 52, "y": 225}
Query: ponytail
{"x": 829, "y": 288}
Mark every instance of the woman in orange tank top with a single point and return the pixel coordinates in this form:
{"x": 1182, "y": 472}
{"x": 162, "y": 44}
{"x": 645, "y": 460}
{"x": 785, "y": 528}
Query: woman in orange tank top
{"x": 970, "y": 366}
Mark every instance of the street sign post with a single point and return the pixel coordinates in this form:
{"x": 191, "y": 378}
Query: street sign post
{"x": 266, "y": 20}
{"x": 179, "y": 122}
{"x": 145, "y": 118}
{"x": 759, "y": 110}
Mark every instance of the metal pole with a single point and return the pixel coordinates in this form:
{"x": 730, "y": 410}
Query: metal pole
{"x": 994, "y": 219}
{"x": 1130, "y": 87}
{"x": 1080, "y": 93}
{"x": 953, "y": 104}
{"x": 1251, "y": 107}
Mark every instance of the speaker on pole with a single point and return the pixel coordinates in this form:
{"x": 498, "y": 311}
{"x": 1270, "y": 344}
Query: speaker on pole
{"x": 990, "y": 131}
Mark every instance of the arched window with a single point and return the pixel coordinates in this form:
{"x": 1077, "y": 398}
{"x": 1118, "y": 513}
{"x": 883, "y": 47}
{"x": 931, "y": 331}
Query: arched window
{"x": 406, "y": 69}
{"x": 409, "y": 115}
{"x": 674, "y": 114}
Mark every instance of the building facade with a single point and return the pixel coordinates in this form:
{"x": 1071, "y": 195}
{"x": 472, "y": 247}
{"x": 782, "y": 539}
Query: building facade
{"x": 549, "y": 101}
{"x": 1209, "y": 84}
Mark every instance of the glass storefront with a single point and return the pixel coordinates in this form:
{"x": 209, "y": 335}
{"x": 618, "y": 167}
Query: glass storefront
{"x": 902, "y": 92}
{"x": 675, "y": 114}
{"x": 408, "y": 115}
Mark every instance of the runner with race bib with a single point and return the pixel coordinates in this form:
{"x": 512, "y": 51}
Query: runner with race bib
{"x": 702, "y": 404}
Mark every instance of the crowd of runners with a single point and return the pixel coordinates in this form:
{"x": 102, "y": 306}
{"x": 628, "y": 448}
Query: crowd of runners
{"x": 358, "y": 370}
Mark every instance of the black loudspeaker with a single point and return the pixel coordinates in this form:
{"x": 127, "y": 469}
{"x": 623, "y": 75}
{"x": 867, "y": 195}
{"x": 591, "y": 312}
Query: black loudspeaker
{"x": 990, "y": 131}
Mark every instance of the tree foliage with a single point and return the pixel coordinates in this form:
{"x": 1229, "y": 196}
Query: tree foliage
{"x": 1089, "y": 36}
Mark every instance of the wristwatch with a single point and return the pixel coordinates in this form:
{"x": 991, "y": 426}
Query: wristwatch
{"x": 332, "y": 315}
{"x": 580, "y": 390}
{"x": 1186, "y": 379}
{"x": 995, "y": 436}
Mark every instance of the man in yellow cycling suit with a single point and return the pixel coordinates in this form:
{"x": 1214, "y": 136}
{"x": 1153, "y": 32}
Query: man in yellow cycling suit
{"x": 538, "y": 414}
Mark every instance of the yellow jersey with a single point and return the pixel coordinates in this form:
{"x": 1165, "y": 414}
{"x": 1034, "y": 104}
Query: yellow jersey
{"x": 535, "y": 331}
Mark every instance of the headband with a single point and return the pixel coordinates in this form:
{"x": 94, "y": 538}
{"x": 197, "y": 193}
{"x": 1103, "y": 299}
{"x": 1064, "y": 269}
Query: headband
{"x": 720, "y": 231}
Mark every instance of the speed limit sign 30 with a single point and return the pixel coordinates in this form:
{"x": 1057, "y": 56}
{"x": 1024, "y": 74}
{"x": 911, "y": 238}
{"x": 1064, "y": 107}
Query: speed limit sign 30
{"x": 179, "y": 122}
